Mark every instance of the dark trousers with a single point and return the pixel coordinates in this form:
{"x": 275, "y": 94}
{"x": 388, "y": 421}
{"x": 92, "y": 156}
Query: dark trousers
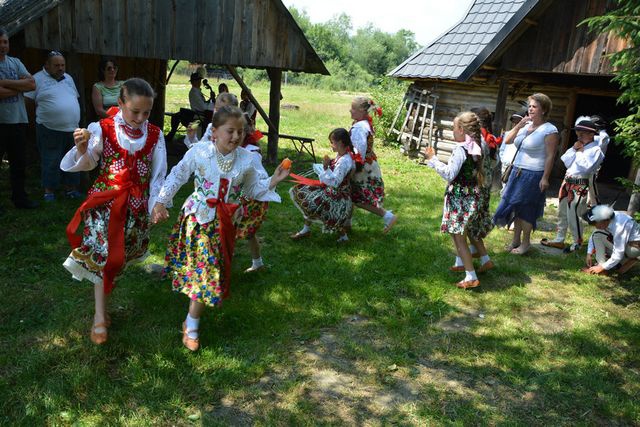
{"x": 53, "y": 145}
{"x": 13, "y": 142}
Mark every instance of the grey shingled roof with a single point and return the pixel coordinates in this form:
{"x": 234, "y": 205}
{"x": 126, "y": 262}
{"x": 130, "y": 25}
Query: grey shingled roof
{"x": 15, "y": 14}
{"x": 454, "y": 54}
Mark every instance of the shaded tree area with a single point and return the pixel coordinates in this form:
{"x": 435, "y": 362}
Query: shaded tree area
{"x": 624, "y": 22}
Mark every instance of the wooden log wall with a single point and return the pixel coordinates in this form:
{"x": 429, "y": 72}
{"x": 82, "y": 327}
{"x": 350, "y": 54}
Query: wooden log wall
{"x": 556, "y": 43}
{"x": 248, "y": 33}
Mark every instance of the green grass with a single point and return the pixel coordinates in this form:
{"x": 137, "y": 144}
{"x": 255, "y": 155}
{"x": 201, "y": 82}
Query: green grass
{"x": 371, "y": 333}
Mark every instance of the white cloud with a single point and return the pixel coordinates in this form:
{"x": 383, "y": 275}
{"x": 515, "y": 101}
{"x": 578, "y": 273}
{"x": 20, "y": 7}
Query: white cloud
{"x": 426, "y": 18}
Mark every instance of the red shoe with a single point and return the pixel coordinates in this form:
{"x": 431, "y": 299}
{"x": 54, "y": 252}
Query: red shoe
{"x": 456, "y": 268}
{"x": 486, "y": 266}
{"x": 192, "y": 344}
{"x": 468, "y": 284}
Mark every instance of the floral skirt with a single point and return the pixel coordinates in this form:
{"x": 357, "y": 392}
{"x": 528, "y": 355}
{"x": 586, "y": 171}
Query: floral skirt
{"x": 480, "y": 224}
{"x": 331, "y": 207}
{"x": 461, "y": 206}
{"x": 367, "y": 187}
{"x": 87, "y": 261}
{"x": 193, "y": 260}
{"x": 253, "y": 215}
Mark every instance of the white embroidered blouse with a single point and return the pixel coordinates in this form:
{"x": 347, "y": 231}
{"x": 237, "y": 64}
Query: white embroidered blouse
{"x": 73, "y": 162}
{"x": 359, "y": 133}
{"x": 333, "y": 178}
{"x": 247, "y": 174}
{"x": 450, "y": 170}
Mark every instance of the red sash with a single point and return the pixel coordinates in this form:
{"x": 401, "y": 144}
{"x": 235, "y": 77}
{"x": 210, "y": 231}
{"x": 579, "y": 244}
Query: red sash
{"x": 306, "y": 181}
{"x": 118, "y": 214}
{"x": 226, "y": 230}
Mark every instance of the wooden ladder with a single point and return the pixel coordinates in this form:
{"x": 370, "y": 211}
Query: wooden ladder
{"x": 415, "y": 99}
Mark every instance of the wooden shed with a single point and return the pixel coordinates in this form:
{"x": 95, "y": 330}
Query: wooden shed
{"x": 504, "y": 50}
{"x": 142, "y": 35}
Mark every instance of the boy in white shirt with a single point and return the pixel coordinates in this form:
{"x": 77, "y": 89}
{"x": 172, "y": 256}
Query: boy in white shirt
{"x": 616, "y": 240}
{"x": 582, "y": 161}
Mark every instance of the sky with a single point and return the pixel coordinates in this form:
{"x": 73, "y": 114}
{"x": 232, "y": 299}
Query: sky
{"x": 426, "y": 18}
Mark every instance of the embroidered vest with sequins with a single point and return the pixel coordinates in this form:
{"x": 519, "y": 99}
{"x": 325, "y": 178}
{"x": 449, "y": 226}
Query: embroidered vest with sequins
{"x": 115, "y": 159}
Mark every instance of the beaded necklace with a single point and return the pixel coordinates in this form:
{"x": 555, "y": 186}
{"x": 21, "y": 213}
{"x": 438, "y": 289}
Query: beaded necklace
{"x": 131, "y": 132}
{"x": 225, "y": 165}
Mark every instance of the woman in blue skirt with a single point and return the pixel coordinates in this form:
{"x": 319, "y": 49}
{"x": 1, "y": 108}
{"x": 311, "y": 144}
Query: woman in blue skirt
{"x": 524, "y": 196}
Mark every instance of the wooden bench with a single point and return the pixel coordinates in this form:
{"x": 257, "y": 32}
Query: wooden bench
{"x": 301, "y": 144}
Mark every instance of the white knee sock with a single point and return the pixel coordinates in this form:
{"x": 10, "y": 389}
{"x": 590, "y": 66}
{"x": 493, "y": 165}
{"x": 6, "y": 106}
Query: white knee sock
{"x": 485, "y": 259}
{"x": 192, "y": 327}
{"x": 470, "y": 275}
{"x": 459, "y": 262}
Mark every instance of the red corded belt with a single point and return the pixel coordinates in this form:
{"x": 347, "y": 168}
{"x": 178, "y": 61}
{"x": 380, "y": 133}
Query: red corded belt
{"x": 226, "y": 230}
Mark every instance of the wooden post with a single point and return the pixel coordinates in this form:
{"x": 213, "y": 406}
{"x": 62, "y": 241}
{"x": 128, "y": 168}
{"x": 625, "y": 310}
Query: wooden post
{"x": 275, "y": 75}
{"x": 499, "y": 120}
{"x": 570, "y": 112}
{"x": 263, "y": 114}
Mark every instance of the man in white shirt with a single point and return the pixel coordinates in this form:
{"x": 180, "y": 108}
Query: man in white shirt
{"x": 582, "y": 161}
{"x": 57, "y": 116}
{"x": 616, "y": 240}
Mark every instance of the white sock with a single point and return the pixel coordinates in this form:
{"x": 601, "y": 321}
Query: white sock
{"x": 485, "y": 259}
{"x": 387, "y": 216}
{"x": 257, "y": 262}
{"x": 459, "y": 262}
{"x": 305, "y": 229}
{"x": 343, "y": 238}
{"x": 472, "y": 249}
{"x": 470, "y": 275}
{"x": 192, "y": 327}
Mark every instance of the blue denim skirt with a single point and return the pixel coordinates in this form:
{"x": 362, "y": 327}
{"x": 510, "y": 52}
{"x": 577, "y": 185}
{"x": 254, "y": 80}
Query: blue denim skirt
{"x": 521, "y": 199}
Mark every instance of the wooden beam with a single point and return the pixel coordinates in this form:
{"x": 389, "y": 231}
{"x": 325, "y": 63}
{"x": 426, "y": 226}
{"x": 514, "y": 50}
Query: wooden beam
{"x": 570, "y": 112}
{"x": 499, "y": 120}
{"x": 275, "y": 75}
{"x": 175, "y": 64}
{"x": 255, "y": 102}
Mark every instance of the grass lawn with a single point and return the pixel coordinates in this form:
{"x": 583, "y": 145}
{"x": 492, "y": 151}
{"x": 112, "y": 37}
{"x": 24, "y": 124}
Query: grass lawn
{"x": 368, "y": 333}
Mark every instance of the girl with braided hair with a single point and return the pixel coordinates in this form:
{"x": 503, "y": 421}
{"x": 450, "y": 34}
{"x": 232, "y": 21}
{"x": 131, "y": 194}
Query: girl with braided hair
{"x": 465, "y": 216}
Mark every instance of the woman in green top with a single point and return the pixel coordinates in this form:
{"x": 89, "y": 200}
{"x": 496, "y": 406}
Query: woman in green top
{"x": 104, "y": 94}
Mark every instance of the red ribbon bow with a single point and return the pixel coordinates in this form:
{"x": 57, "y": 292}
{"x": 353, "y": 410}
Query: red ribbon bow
{"x": 226, "y": 230}
{"x": 115, "y": 232}
{"x": 492, "y": 141}
{"x": 306, "y": 181}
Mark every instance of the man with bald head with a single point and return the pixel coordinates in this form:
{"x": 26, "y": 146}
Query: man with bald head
{"x": 57, "y": 116}
{"x": 14, "y": 81}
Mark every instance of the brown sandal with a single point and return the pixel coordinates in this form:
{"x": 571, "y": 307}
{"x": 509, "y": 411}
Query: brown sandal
{"x": 99, "y": 337}
{"x": 298, "y": 235}
{"x": 456, "y": 268}
{"x": 551, "y": 244}
{"x": 468, "y": 284}
{"x": 192, "y": 344}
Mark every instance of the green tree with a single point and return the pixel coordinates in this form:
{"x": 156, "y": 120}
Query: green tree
{"x": 624, "y": 22}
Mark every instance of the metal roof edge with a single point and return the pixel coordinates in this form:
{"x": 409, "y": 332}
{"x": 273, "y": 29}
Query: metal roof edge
{"x": 498, "y": 39}
{"x": 444, "y": 33}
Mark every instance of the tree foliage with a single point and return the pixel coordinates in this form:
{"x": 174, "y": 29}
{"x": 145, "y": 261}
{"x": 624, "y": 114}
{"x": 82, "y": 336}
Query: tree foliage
{"x": 624, "y": 22}
{"x": 355, "y": 60}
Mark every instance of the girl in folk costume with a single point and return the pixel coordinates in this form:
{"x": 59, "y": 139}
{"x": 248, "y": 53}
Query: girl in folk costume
{"x": 582, "y": 162}
{"x": 367, "y": 187}
{"x": 201, "y": 244}
{"x": 328, "y": 201}
{"x": 224, "y": 99}
{"x": 464, "y": 214}
{"x": 132, "y": 158}
{"x": 253, "y": 211}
